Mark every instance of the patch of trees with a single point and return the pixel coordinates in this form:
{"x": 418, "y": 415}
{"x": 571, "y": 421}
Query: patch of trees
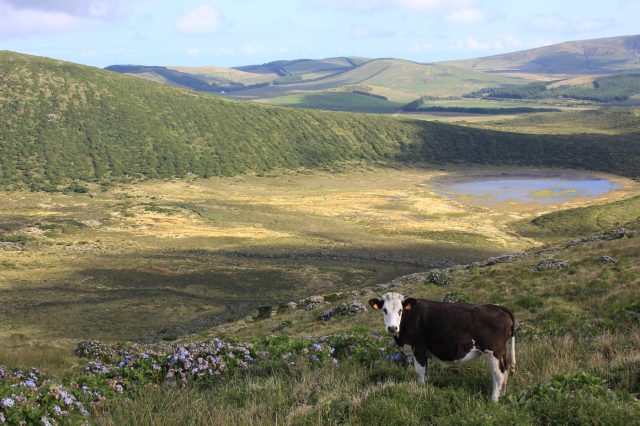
{"x": 373, "y": 95}
{"x": 510, "y": 91}
{"x": 614, "y": 88}
{"x": 479, "y": 110}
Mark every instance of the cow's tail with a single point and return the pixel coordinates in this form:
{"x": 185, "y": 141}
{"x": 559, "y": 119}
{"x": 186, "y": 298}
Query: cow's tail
{"x": 511, "y": 361}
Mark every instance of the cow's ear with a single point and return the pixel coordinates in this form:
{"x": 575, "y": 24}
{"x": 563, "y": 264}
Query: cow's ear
{"x": 376, "y": 303}
{"x": 409, "y": 303}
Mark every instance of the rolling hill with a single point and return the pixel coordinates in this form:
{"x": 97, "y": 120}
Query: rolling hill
{"x": 604, "y": 55}
{"x": 219, "y": 79}
{"x": 395, "y": 79}
{"x": 337, "y": 83}
{"x": 64, "y": 122}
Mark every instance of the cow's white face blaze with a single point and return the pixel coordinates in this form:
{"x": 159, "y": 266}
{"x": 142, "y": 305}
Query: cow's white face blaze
{"x": 391, "y": 306}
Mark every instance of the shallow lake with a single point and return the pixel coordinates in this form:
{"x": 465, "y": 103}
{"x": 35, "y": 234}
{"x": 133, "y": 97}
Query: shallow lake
{"x": 524, "y": 188}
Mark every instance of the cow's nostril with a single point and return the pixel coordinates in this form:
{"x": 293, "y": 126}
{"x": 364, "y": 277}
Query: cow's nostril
{"x": 392, "y": 328}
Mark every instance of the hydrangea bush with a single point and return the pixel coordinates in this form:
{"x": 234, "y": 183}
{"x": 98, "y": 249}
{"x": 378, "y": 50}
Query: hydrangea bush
{"x": 113, "y": 371}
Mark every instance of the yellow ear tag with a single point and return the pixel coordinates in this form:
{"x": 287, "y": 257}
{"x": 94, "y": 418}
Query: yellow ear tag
{"x": 375, "y": 306}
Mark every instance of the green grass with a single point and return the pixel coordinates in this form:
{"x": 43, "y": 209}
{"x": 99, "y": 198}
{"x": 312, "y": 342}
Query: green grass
{"x": 579, "y": 327}
{"x": 339, "y": 101}
{"x": 581, "y": 221}
{"x": 607, "y": 121}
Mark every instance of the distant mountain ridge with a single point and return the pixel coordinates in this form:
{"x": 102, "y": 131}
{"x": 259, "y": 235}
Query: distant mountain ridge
{"x": 342, "y": 82}
{"x": 220, "y": 80}
{"x": 603, "y": 55}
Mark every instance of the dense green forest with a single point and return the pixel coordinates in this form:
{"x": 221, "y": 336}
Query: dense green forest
{"x": 615, "y": 88}
{"x": 63, "y": 122}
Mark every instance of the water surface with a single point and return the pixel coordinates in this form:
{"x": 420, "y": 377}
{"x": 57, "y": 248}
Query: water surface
{"x": 525, "y": 188}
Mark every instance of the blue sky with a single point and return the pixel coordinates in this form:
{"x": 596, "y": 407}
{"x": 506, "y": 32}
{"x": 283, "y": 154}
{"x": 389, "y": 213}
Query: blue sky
{"x": 240, "y": 32}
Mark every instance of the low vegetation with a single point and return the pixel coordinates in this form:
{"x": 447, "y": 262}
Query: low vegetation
{"x": 604, "y": 121}
{"x": 581, "y": 221}
{"x": 615, "y": 88}
{"x": 419, "y": 106}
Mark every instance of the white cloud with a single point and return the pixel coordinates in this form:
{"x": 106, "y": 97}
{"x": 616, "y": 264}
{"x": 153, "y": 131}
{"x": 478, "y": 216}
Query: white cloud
{"x": 555, "y": 24}
{"x": 204, "y": 19}
{"x": 513, "y": 42}
{"x": 420, "y": 47}
{"x": 87, "y": 8}
{"x": 364, "y": 31}
{"x": 466, "y": 16}
{"x": 192, "y": 51}
{"x": 414, "y": 5}
{"x": 428, "y": 5}
{"x": 548, "y": 23}
{"x": 595, "y": 24}
{"x": 251, "y": 49}
{"x": 28, "y": 17}
{"x": 473, "y": 43}
{"x": 225, "y": 51}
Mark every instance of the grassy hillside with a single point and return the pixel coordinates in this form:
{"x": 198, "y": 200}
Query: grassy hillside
{"x": 339, "y": 101}
{"x": 577, "y": 346}
{"x": 65, "y": 122}
{"x": 606, "y": 121}
{"x": 220, "y": 80}
{"x": 206, "y": 79}
{"x": 573, "y": 57}
{"x": 305, "y": 69}
{"x": 396, "y": 79}
{"x": 582, "y": 221}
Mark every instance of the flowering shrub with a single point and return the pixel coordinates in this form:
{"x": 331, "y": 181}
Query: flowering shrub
{"x": 33, "y": 398}
{"x": 126, "y": 370}
{"x": 438, "y": 278}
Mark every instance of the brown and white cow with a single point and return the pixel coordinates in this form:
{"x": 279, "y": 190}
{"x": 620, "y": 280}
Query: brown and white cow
{"x": 454, "y": 333}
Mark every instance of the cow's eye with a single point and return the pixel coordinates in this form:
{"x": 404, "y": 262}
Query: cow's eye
{"x": 400, "y": 312}
{"x": 385, "y": 311}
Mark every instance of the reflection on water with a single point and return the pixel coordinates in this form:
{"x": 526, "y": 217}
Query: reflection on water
{"x": 526, "y": 189}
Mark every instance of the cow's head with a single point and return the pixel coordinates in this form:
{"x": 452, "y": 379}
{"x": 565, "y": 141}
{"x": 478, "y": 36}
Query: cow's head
{"x": 391, "y": 305}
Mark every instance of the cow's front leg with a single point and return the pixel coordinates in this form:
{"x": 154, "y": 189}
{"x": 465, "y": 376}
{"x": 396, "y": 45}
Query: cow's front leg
{"x": 420, "y": 362}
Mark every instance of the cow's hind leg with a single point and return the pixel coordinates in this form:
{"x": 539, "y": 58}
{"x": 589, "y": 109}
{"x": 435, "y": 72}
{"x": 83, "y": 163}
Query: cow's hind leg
{"x": 499, "y": 377}
{"x": 505, "y": 376}
{"x": 420, "y": 363}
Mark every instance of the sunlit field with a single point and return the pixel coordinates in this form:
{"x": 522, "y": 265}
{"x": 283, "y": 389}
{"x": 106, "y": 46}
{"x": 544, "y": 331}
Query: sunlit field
{"x": 162, "y": 259}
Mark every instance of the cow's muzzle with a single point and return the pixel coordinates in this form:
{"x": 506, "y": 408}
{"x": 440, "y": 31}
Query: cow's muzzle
{"x": 392, "y": 329}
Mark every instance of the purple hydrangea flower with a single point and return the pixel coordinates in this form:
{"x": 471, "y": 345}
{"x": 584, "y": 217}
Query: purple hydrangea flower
{"x": 7, "y": 402}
